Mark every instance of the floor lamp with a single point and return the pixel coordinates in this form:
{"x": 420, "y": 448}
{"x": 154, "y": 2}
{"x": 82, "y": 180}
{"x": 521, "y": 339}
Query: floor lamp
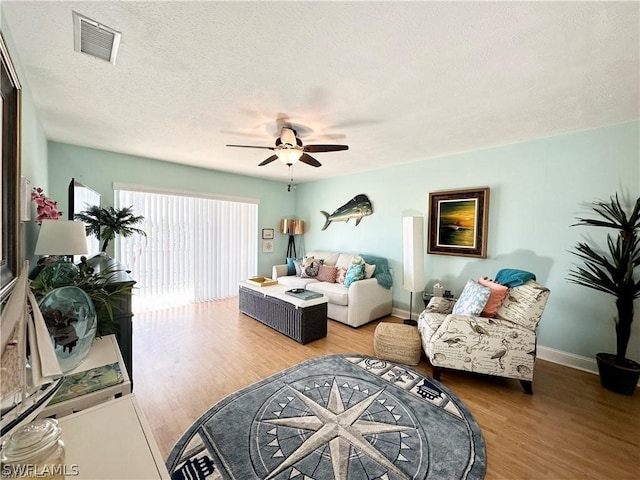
{"x": 412, "y": 259}
{"x": 291, "y": 227}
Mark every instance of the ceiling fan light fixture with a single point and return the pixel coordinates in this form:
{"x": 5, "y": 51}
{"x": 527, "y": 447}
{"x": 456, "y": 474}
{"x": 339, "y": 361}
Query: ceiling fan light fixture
{"x": 288, "y": 156}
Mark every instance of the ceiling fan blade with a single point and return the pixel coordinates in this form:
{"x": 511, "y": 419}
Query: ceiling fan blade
{"x": 324, "y": 148}
{"x": 268, "y": 160}
{"x": 309, "y": 160}
{"x": 251, "y": 146}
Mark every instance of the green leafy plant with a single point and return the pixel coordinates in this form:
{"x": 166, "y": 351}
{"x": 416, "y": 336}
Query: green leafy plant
{"x": 98, "y": 285}
{"x": 613, "y": 271}
{"x": 106, "y": 223}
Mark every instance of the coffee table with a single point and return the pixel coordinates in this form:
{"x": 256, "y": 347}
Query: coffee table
{"x": 302, "y": 320}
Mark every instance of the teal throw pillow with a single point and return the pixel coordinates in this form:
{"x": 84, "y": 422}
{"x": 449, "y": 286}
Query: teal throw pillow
{"x": 472, "y": 300}
{"x": 355, "y": 273}
{"x": 291, "y": 268}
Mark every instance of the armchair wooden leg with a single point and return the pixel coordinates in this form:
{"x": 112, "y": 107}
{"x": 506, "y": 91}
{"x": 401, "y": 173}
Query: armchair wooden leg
{"x": 436, "y": 373}
{"x": 527, "y": 385}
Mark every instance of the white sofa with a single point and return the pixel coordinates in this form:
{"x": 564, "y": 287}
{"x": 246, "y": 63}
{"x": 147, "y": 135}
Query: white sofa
{"x": 362, "y": 302}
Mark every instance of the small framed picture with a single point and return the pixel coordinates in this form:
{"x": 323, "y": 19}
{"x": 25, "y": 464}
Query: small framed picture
{"x": 267, "y": 233}
{"x": 267, "y": 246}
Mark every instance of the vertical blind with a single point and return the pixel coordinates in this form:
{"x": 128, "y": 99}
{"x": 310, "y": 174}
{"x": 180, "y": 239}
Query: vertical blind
{"x": 196, "y": 249}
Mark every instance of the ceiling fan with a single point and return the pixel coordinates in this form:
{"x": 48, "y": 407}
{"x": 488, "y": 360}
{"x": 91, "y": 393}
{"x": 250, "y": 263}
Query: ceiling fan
{"x": 289, "y": 149}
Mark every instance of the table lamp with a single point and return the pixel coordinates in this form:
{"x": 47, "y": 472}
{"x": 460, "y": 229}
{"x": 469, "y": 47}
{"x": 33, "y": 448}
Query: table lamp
{"x": 60, "y": 238}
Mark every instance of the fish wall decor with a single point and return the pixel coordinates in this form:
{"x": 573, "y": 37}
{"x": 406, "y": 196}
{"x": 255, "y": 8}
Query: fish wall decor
{"x": 358, "y": 207}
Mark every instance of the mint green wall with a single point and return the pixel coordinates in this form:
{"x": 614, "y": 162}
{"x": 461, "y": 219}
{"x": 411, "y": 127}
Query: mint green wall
{"x": 34, "y": 167}
{"x": 99, "y": 170}
{"x": 537, "y": 189}
{"x": 33, "y": 151}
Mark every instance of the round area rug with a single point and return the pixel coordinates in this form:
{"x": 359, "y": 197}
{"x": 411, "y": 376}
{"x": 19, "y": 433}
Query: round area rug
{"x": 335, "y": 417}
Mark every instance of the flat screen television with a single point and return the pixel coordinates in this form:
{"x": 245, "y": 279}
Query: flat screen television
{"x": 82, "y": 197}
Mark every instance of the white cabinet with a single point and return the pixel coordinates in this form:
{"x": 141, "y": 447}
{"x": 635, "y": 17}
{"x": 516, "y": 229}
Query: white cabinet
{"x": 112, "y": 441}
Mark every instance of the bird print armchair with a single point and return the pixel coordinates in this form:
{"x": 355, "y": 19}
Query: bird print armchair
{"x": 494, "y": 336}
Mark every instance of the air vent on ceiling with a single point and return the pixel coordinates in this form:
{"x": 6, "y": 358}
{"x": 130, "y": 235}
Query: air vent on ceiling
{"x": 95, "y": 39}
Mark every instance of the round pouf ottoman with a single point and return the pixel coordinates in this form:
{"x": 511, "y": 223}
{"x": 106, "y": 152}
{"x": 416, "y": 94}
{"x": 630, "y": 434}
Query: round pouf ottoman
{"x": 397, "y": 342}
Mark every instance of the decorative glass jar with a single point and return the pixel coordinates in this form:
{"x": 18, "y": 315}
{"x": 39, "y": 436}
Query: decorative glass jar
{"x": 34, "y": 451}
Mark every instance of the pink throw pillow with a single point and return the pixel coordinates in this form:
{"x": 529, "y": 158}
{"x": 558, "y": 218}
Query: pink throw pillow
{"x": 327, "y": 274}
{"x": 498, "y": 292}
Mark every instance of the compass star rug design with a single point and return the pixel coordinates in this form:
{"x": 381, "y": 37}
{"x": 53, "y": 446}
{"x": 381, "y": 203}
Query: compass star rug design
{"x": 343, "y": 417}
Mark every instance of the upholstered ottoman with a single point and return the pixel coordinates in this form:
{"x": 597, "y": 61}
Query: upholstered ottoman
{"x": 397, "y": 342}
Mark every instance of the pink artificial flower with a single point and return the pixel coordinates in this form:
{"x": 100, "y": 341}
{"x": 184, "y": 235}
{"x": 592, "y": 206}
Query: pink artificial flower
{"x": 46, "y": 208}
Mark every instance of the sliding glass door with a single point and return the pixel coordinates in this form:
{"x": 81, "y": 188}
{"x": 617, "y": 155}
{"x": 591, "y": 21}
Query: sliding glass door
{"x": 197, "y": 248}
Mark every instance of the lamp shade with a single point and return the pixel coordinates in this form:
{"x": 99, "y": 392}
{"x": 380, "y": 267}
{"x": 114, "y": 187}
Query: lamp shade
{"x": 292, "y": 226}
{"x": 61, "y": 237}
{"x": 412, "y": 253}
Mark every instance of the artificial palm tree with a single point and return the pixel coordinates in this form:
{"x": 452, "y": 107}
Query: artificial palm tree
{"x": 106, "y": 223}
{"x": 613, "y": 271}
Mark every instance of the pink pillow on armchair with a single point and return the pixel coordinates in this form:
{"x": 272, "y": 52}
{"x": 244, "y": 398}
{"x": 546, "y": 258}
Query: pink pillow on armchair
{"x": 498, "y": 292}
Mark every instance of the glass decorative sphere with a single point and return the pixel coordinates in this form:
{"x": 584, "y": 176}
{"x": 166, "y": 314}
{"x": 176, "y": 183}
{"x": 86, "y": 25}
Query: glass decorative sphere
{"x": 59, "y": 273}
{"x": 71, "y": 320}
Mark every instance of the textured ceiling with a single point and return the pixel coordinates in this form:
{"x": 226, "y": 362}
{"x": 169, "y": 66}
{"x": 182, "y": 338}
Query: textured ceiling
{"x": 397, "y": 82}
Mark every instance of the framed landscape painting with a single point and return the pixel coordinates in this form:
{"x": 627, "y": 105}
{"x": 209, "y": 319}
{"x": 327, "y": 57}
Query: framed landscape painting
{"x": 458, "y": 222}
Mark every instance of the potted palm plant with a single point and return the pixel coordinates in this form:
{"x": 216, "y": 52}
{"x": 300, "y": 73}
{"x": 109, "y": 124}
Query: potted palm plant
{"x": 106, "y": 223}
{"x": 614, "y": 272}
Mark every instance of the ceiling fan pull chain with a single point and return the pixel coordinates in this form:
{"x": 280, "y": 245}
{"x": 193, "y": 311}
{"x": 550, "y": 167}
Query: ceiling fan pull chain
{"x": 290, "y": 178}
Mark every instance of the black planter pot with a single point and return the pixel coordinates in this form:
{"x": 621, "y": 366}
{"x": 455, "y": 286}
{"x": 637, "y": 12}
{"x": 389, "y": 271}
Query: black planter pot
{"x": 618, "y": 378}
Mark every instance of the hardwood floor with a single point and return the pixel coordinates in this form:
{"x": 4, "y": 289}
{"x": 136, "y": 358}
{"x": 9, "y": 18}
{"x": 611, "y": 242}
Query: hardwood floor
{"x": 188, "y": 358}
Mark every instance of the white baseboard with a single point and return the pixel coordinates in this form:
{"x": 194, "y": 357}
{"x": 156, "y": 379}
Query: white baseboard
{"x": 567, "y": 359}
{"x": 549, "y": 354}
{"x": 396, "y": 312}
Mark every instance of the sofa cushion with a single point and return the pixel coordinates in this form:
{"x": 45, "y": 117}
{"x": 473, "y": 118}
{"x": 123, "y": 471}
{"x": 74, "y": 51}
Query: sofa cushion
{"x": 524, "y": 304}
{"x": 498, "y": 292}
{"x": 472, "y": 300}
{"x": 327, "y": 273}
{"x": 344, "y": 260}
{"x": 335, "y": 293}
{"x": 329, "y": 258}
{"x": 296, "y": 282}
